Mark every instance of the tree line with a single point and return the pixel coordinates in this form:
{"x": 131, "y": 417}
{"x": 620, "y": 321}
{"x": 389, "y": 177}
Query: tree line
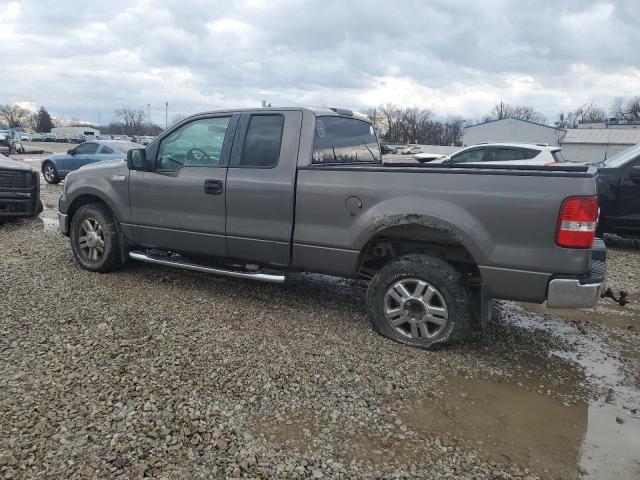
{"x": 393, "y": 123}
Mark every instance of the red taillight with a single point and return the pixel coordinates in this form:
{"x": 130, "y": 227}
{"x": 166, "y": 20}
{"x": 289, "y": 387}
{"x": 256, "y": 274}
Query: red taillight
{"x": 577, "y": 222}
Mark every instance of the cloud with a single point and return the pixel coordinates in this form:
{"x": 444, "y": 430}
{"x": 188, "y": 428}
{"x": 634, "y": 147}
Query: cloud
{"x": 454, "y": 57}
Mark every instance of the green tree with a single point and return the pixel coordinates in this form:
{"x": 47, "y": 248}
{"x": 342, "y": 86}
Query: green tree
{"x": 44, "y": 123}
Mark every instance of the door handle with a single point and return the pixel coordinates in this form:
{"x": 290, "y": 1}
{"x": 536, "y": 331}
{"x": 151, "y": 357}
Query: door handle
{"x": 213, "y": 187}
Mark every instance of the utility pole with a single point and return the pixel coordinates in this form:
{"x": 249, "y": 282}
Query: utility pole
{"x": 98, "y": 120}
{"x": 149, "y": 112}
{"x": 166, "y": 114}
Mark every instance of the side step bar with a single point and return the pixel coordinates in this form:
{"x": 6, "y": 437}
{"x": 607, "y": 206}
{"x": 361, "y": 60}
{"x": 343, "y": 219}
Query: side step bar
{"x": 264, "y": 277}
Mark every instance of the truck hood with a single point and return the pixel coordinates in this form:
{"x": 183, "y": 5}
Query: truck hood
{"x": 14, "y": 165}
{"x": 105, "y": 165}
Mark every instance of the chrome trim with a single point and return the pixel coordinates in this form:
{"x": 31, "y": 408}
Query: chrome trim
{"x": 264, "y": 277}
{"x": 570, "y": 293}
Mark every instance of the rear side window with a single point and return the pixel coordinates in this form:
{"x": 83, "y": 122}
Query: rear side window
{"x": 87, "y": 148}
{"x": 344, "y": 140}
{"x": 557, "y": 156}
{"x": 262, "y": 143}
{"x": 528, "y": 153}
{"x": 106, "y": 150}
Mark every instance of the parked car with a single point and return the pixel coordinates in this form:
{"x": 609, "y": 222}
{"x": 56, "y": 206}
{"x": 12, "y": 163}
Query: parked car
{"x": 5, "y": 142}
{"x": 37, "y": 137}
{"x": 19, "y": 190}
{"x": 26, "y": 137}
{"x": 56, "y": 167}
{"x": 411, "y": 150}
{"x": 507, "y": 154}
{"x": 426, "y": 157}
{"x": 49, "y": 137}
{"x": 387, "y": 149}
{"x": 260, "y": 193}
{"x": 619, "y": 193}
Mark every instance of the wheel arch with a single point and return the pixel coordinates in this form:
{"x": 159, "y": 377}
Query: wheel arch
{"x": 416, "y": 235}
{"x": 87, "y": 198}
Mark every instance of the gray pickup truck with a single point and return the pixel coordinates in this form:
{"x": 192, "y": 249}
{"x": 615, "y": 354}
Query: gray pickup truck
{"x": 261, "y": 193}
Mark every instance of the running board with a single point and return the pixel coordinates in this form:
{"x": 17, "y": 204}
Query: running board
{"x": 264, "y": 277}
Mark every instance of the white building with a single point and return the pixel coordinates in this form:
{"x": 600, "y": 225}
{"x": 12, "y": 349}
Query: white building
{"x": 594, "y": 144}
{"x": 511, "y": 130}
{"x": 75, "y": 131}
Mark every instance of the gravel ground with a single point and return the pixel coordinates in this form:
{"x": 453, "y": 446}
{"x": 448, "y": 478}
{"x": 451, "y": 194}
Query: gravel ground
{"x": 153, "y": 372}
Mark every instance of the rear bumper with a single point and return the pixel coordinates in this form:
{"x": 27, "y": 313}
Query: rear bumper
{"x": 583, "y": 291}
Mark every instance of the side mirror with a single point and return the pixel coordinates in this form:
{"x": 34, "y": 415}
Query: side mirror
{"x": 71, "y": 151}
{"x": 137, "y": 159}
{"x": 635, "y": 174}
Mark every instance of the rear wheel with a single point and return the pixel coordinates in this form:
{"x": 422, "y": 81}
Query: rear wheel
{"x": 50, "y": 173}
{"x": 420, "y": 301}
{"x": 94, "y": 238}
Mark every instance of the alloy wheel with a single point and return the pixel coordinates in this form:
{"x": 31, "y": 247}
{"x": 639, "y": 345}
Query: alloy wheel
{"x": 415, "y": 309}
{"x": 91, "y": 239}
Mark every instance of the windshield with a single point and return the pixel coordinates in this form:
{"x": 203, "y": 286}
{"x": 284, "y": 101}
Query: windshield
{"x": 622, "y": 157}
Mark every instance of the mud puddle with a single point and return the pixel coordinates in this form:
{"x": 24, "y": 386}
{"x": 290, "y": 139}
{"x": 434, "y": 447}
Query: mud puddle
{"x": 506, "y": 422}
{"x": 611, "y": 447}
{"x": 605, "y": 313}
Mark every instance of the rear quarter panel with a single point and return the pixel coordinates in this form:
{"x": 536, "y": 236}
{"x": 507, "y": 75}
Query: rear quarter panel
{"x": 506, "y": 221}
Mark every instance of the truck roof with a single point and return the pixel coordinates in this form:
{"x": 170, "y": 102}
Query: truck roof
{"x": 323, "y": 111}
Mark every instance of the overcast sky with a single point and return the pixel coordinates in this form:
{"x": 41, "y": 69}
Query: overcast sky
{"x": 79, "y": 58}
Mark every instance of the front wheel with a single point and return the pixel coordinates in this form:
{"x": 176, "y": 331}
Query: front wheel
{"x": 420, "y": 301}
{"x": 94, "y": 238}
{"x": 50, "y": 173}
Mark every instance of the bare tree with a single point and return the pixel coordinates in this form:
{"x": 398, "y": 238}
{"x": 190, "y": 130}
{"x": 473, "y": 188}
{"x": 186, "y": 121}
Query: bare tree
{"x": 633, "y": 108}
{"x": 413, "y": 125}
{"x": 132, "y": 121}
{"x": 14, "y": 116}
{"x": 521, "y": 112}
{"x": 587, "y": 113}
{"x": 177, "y": 118}
{"x": 626, "y": 109}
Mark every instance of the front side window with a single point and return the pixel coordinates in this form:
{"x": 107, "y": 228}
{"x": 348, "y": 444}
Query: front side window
{"x": 344, "y": 140}
{"x": 470, "y": 156}
{"x": 106, "y": 150}
{"x": 196, "y": 144}
{"x": 262, "y": 142}
{"x": 86, "y": 149}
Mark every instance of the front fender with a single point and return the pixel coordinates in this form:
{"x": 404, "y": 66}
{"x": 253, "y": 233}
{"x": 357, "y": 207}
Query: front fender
{"x": 115, "y": 194}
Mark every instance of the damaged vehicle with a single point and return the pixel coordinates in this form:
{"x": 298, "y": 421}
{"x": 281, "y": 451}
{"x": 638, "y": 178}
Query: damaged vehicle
{"x": 258, "y": 194}
{"x": 19, "y": 190}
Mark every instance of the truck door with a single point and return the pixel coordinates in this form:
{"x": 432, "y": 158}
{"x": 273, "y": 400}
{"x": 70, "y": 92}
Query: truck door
{"x": 629, "y": 196}
{"x": 180, "y": 204}
{"x": 261, "y": 187}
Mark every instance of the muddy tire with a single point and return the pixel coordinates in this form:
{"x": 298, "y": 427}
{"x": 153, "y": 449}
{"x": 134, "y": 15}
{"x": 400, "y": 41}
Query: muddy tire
{"x": 94, "y": 238}
{"x": 420, "y": 301}
{"x": 50, "y": 173}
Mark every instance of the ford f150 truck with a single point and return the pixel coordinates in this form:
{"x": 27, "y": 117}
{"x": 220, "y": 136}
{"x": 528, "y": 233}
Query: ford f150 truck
{"x": 260, "y": 193}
